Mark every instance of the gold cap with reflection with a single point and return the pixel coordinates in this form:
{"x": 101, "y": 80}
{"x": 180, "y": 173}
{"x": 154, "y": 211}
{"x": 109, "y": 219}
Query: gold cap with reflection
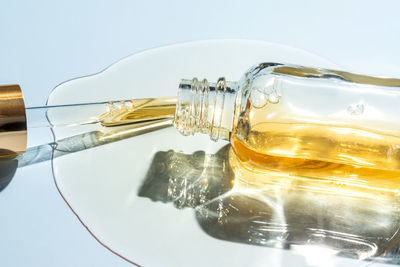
{"x": 13, "y": 130}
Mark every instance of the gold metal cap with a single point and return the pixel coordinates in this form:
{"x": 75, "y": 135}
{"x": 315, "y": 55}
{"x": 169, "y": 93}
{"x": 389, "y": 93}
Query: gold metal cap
{"x": 13, "y": 131}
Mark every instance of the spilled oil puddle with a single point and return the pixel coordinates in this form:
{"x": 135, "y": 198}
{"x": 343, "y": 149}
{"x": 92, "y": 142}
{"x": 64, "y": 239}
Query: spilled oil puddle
{"x": 161, "y": 199}
{"x": 200, "y": 199}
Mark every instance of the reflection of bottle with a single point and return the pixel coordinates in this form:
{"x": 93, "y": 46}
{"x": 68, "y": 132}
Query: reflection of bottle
{"x": 291, "y": 208}
{"x": 187, "y": 180}
{"x": 297, "y": 112}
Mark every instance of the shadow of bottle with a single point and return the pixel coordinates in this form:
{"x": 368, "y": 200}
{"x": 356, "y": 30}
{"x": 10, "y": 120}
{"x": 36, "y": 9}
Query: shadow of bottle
{"x": 286, "y": 210}
{"x": 8, "y": 167}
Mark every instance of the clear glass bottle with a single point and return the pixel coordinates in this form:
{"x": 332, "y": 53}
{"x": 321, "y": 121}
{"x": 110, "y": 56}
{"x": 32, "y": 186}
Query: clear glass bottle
{"x": 295, "y": 112}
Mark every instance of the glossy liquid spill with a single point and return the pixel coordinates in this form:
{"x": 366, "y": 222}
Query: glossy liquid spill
{"x": 102, "y": 183}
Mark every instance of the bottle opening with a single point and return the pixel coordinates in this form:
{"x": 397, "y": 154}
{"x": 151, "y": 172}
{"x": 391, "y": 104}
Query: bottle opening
{"x": 206, "y": 108}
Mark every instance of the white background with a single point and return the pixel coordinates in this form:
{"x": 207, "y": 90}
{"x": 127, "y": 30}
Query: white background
{"x": 43, "y": 43}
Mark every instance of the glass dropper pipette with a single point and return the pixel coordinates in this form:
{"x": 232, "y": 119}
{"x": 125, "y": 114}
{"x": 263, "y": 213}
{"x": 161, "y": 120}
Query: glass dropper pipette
{"x": 108, "y": 114}
{"x": 131, "y": 116}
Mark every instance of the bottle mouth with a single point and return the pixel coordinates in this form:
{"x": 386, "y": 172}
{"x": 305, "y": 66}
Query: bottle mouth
{"x": 206, "y": 107}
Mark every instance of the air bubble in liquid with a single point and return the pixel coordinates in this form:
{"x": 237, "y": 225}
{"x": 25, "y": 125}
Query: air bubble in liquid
{"x": 356, "y": 109}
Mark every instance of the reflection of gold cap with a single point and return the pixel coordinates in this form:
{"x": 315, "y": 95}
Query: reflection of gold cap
{"x": 13, "y": 132}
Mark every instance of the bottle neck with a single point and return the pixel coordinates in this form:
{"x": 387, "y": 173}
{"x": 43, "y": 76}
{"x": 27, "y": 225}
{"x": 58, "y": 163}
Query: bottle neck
{"x": 207, "y": 108}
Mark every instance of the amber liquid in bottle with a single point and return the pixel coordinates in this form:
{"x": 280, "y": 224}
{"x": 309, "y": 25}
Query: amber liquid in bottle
{"x": 339, "y": 154}
{"x": 258, "y": 161}
{"x": 321, "y": 143}
{"x": 322, "y": 120}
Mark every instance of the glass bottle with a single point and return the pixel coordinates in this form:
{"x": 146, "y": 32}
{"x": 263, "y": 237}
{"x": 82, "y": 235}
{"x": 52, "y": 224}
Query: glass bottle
{"x": 297, "y": 113}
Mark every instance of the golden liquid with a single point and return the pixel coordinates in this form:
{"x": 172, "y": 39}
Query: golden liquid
{"x": 264, "y": 167}
{"x": 139, "y": 111}
{"x": 322, "y": 143}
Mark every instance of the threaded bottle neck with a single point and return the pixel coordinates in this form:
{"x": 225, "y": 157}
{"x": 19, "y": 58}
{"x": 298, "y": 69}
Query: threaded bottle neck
{"x": 206, "y": 108}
